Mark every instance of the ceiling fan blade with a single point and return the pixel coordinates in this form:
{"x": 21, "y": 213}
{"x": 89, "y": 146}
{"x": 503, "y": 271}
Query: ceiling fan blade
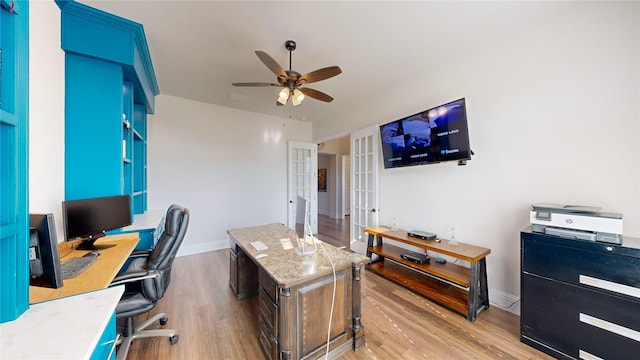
{"x": 318, "y": 95}
{"x": 254, "y": 84}
{"x": 320, "y": 74}
{"x": 271, "y": 64}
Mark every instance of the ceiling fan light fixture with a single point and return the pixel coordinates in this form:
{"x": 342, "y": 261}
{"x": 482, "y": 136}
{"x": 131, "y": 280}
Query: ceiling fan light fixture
{"x": 283, "y": 95}
{"x": 297, "y": 97}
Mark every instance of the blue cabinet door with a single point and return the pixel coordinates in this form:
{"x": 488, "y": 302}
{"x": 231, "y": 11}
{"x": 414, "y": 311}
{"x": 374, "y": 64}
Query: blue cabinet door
{"x": 14, "y": 82}
{"x": 93, "y": 128}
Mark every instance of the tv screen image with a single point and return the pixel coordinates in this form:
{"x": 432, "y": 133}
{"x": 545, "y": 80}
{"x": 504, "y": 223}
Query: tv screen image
{"x": 431, "y": 136}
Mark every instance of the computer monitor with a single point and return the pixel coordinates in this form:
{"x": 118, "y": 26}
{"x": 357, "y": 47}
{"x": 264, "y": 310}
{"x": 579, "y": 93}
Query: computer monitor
{"x": 301, "y": 216}
{"x": 89, "y": 219}
{"x": 306, "y": 241}
{"x": 44, "y": 260}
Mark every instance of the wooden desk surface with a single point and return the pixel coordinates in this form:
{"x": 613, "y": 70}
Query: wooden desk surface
{"x": 462, "y": 251}
{"x": 98, "y": 276}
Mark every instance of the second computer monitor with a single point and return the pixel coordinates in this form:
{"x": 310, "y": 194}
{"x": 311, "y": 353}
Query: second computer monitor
{"x": 89, "y": 219}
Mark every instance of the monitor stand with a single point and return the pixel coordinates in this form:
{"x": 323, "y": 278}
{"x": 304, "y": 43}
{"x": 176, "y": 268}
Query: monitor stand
{"x": 86, "y": 244}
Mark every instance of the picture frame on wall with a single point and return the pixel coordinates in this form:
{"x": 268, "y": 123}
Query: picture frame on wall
{"x": 322, "y": 180}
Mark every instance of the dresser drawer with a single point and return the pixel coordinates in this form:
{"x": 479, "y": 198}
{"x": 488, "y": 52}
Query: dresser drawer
{"x": 566, "y": 301}
{"x": 268, "y": 312}
{"x": 268, "y": 342}
{"x": 575, "y": 337}
{"x": 269, "y": 285}
{"x": 577, "y": 262}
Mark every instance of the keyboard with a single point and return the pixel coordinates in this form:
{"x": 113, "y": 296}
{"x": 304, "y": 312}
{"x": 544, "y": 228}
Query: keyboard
{"x": 259, "y": 245}
{"x": 76, "y": 266}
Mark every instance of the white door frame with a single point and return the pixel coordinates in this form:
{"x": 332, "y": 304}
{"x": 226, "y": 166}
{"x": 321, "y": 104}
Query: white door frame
{"x": 346, "y": 185}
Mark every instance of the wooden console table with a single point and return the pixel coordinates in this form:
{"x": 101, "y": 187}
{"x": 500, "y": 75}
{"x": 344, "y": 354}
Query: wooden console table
{"x": 461, "y": 289}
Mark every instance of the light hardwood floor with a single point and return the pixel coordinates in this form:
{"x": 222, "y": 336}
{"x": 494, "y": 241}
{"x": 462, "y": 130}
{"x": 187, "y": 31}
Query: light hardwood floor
{"x": 334, "y": 231}
{"x": 399, "y": 324}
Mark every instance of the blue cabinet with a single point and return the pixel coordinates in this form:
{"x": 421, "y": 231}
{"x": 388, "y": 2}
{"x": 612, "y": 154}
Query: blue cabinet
{"x": 110, "y": 89}
{"x": 105, "y": 350}
{"x": 14, "y": 82}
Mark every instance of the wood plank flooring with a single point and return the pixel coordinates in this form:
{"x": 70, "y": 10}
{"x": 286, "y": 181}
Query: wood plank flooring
{"x": 399, "y": 324}
{"x": 334, "y": 231}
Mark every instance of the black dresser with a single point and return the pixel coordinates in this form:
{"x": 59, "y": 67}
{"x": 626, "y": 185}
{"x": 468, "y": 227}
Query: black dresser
{"x": 580, "y": 299}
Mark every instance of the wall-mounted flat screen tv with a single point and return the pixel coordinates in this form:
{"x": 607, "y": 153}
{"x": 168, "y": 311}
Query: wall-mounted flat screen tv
{"x": 431, "y": 136}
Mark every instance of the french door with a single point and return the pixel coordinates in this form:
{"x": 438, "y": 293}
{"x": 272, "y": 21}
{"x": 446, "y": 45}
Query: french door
{"x": 303, "y": 181}
{"x": 364, "y": 185}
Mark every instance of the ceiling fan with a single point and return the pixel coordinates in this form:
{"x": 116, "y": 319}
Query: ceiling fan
{"x": 291, "y": 81}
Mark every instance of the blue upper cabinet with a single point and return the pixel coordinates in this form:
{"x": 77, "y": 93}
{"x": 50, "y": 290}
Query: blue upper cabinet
{"x": 110, "y": 89}
{"x": 14, "y": 228}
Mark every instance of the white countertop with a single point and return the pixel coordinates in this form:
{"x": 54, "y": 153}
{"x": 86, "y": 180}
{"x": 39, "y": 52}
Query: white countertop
{"x": 66, "y": 328}
{"x": 148, "y": 220}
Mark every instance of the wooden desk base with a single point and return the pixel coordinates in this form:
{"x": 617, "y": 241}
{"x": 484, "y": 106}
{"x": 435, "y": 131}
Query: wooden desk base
{"x": 295, "y": 294}
{"x": 98, "y": 276}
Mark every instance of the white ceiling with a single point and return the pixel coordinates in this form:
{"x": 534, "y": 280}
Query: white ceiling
{"x": 199, "y": 48}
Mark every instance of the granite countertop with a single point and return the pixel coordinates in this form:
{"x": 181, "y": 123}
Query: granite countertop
{"x": 282, "y": 262}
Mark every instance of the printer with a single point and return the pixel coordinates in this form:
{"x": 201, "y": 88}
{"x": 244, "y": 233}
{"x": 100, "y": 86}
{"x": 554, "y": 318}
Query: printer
{"x": 577, "y": 222}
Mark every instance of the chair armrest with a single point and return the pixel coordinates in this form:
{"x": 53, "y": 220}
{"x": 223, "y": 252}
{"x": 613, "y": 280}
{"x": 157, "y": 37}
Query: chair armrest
{"x": 140, "y": 253}
{"x": 134, "y": 276}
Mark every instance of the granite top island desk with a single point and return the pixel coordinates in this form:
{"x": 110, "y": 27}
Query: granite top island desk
{"x": 295, "y": 293}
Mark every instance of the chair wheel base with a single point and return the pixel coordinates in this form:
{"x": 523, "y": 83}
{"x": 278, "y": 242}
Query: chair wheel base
{"x": 164, "y": 320}
{"x": 174, "y": 339}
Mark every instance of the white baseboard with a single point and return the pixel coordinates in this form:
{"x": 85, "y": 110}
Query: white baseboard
{"x": 508, "y": 302}
{"x": 203, "y": 247}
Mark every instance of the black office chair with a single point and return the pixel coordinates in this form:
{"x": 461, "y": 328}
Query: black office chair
{"x": 146, "y": 280}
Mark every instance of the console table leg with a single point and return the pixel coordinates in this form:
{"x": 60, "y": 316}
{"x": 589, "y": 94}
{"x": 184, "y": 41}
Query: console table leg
{"x": 358, "y": 329}
{"x": 474, "y": 283}
{"x": 484, "y": 288}
{"x": 369, "y": 245}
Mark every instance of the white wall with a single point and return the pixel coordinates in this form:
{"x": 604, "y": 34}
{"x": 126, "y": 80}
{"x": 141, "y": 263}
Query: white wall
{"x": 228, "y": 167}
{"x": 46, "y": 112}
{"x": 554, "y": 117}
